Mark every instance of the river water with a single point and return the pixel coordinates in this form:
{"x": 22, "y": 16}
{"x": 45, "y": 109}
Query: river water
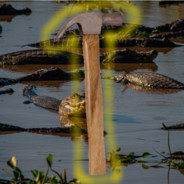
{"x": 138, "y": 116}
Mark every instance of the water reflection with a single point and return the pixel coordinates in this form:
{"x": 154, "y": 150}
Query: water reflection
{"x": 81, "y": 121}
{"x": 150, "y": 90}
{"x": 56, "y": 84}
{"x": 6, "y": 18}
{"x": 74, "y": 120}
{"x": 58, "y": 131}
{"x": 129, "y": 67}
{"x": 32, "y": 68}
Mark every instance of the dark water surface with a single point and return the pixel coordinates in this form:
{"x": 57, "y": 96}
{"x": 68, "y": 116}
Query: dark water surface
{"x": 138, "y": 115}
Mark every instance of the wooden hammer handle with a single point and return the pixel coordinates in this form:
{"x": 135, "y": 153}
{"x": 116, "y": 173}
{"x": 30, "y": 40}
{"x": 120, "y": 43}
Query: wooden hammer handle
{"x": 94, "y": 105}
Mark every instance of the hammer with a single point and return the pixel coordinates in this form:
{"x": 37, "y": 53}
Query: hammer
{"x": 90, "y": 25}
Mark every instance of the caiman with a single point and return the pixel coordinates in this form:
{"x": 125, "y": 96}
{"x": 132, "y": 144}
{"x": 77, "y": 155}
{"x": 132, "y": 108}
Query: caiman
{"x": 146, "y": 42}
{"x": 148, "y": 81}
{"x": 174, "y": 26}
{"x": 69, "y": 107}
{"x": 71, "y": 114}
{"x": 41, "y": 57}
{"x": 142, "y": 36}
{"x": 50, "y": 74}
{"x": 7, "y": 9}
{"x": 37, "y": 56}
{"x": 179, "y": 35}
{"x": 129, "y": 56}
{"x": 128, "y": 42}
{"x": 178, "y": 126}
{"x": 177, "y": 25}
{"x": 74, "y": 105}
{"x": 174, "y": 30}
{"x": 168, "y": 30}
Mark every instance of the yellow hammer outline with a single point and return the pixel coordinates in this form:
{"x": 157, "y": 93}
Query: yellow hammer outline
{"x": 134, "y": 18}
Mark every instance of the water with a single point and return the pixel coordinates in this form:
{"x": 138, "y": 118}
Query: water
{"x": 138, "y": 115}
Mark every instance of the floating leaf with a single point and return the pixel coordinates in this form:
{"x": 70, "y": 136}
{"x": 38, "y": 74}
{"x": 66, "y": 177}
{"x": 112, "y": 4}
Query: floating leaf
{"x": 118, "y": 149}
{"x": 145, "y": 166}
{"x": 131, "y": 154}
{"x": 145, "y": 154}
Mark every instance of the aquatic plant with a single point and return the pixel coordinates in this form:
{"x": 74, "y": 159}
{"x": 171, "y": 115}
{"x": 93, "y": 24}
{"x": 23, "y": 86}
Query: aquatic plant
{"x": 173, "y": 160}
{"x": 115, "y": 159}
{"x": 40, "y": 177}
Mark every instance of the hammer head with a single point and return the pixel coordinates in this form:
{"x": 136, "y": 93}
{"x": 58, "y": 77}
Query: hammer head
{"x": 91, "y": 23}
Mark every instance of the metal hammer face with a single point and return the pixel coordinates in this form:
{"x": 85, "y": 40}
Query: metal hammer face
{"x": 91, "y": 23}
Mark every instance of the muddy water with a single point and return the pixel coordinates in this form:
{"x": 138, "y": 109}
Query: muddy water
{"x": 137, "y": 115}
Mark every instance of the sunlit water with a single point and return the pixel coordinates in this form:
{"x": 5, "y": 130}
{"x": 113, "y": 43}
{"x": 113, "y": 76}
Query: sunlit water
{"x": 137, "y": 116}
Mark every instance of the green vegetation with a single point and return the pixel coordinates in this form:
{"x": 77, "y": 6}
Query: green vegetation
{"x": 40, "y": 177}
{"x": 173, "y": 160}
{"x": 115, "y": 159}
{"x": 176, "y": 159}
